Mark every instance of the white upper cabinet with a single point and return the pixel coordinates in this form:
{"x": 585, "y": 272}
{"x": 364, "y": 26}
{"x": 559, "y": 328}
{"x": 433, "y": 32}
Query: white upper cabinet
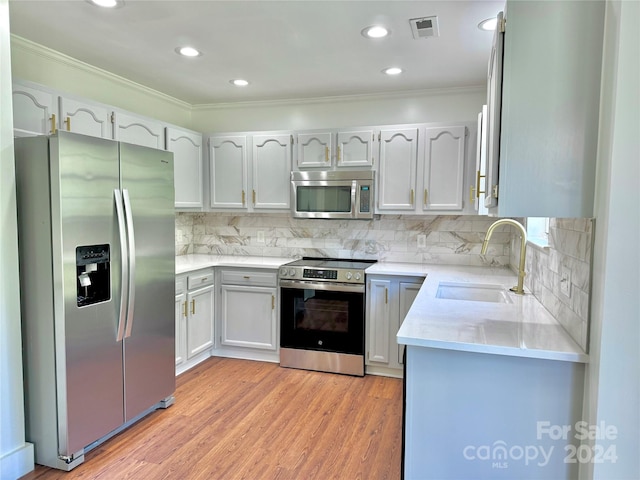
{"x": 250, "y": 172}
{"x": 228, "y": 171}
{"x": 425, "y": 169}
{"x": 329, "y": 150}
{"x": 34, "y": 111}
{"x": 314, "y": 150}
{"x": 271, "y": 162}
{"x": 85, "y": 118}
{"x": 397, "y": 170}
{"x": 186, "y": 146}
{"x": 138, "y": 130}
{"x": 544, "y": 116}
{"x": 443, "y": 173}
{"x": 355, "y": 149}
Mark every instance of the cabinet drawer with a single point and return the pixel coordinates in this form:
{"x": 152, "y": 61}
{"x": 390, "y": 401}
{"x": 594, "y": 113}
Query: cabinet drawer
{"x": 200, "y": 278}
{"x": 249, "y": 277}
{"x": 181, "y": 284}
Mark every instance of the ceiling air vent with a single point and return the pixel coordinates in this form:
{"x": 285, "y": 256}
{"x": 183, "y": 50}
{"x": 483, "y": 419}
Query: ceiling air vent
{"x": 424, "y": 27}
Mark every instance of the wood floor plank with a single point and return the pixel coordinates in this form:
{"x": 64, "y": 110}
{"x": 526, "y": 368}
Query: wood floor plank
{"x": 238, "y": 419}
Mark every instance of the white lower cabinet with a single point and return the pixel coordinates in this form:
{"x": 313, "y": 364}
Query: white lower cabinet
{"x": 248, "y": 309}
{"x": 194, "y": 310}
{"x": 389, "y": 298}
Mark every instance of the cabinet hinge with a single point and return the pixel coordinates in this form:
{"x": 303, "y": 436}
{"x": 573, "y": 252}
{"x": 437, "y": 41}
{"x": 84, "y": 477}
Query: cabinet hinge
{"x": 113, "y": 117}
{"x": 291, "y": 139}
{"x": 379, "y": 136}
{"x": 502, "y": 23}
{"x": 495, "y": 191}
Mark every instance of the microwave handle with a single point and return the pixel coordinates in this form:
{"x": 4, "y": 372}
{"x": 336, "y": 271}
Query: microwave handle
{"x": 354, "y": 192}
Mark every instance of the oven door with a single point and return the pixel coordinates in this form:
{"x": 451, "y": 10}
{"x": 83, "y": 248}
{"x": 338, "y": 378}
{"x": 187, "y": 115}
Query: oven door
{"x": 322, "y": 316}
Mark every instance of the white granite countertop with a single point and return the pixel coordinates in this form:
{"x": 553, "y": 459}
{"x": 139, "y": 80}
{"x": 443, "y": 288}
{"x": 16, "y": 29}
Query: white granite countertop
{"x": 523, "y": 328}
{"x": 189, "y": 263}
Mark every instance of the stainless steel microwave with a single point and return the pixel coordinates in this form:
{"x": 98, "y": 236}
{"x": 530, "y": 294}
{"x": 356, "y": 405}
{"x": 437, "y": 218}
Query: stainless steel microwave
{"x": 332, "y": 194}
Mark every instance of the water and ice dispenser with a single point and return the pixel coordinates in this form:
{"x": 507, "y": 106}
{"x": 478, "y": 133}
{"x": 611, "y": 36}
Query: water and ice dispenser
{"x": 93, "y": 274}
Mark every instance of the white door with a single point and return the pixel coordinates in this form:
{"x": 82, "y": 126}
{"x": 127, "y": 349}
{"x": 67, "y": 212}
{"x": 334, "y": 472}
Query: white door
{"x": 181, "y": 313}
{"x": 228, "y": 170}
{"x": 314, "y": 150}
{"x": 34, "y": 111}
{"x": 378, "y": 321}
{"x": 494, "y": 108}
{"x": 355, "y": 149}
{"x": 271, "y": 171}
{"x": 397, "y": 169}
{"x": 200, "y": 321}
{"x": 249, "y": 316}
{"x": 187, "y": 166}
{"x": 84, "y": 118}
{"x": 408, "y": 293}
{"x": 444, "y": 168}
{"x": 139, "y": 131}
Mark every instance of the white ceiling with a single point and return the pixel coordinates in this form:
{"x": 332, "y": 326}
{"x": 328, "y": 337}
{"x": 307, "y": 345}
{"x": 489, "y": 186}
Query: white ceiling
{"x": 286, "y": 49}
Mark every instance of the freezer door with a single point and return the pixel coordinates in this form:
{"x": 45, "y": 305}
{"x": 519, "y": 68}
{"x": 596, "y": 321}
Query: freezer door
{"x": 84, "y": 173}
{"x": 147, "y": 186}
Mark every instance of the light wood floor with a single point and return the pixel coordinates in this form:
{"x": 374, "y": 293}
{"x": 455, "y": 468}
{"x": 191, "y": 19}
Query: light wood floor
{"x": 237, "y": 419}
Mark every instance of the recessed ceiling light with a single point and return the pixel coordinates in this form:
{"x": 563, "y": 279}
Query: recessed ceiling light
{"x": 392, "y": 71}
{"x": 107, "y": 3}
{"x": 488, "y": 25}
{"x": 188, "y": 52}
{"x": 375, "y": 31}
{"x": 239, "y": 82}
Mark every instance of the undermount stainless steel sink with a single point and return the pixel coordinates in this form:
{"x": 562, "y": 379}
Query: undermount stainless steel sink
{"x": 475, "y": 292}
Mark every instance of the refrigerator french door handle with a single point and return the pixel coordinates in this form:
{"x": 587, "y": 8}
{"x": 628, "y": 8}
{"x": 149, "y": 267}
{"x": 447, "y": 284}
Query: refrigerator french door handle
{"x": 132, "y": 261}
{"x": 125, "y": 264}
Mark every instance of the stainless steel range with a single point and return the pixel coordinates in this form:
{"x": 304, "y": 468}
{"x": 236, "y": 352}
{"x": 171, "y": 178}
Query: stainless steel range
{"x": 322, "y": 315}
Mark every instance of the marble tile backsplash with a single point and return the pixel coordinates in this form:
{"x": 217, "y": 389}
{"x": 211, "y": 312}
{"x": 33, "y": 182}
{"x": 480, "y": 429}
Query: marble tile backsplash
{"x": 454, "y": 240}
{"x": 568, "y": 255}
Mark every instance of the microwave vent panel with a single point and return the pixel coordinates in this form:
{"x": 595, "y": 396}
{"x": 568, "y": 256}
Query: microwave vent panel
{"x": 424, "y": 27}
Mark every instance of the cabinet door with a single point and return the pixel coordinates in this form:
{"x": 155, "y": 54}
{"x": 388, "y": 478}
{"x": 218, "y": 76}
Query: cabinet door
{"x": 200, "y": 321}
{"x": 314, "y": 150}
{"x": 139, "y": 131}
{"x": 249, "y": 317}
{"x": 187, "y": 166}
{"x": 408, "y": 293}
{"x": 444, "y": 168}
{"x": 478, "y": 189}
{"x": 85, "y": 118}
{"x": 355, "y": 149}
{"x": 271, "y": 171}
{"x": 34, "y": 111}
{"x": 379, "y": 321}
{"x": 494, "y": 105}
{"x": 181, "y": 325}
{"x": 228, "y": 157}
{"x": 397, "y": 176}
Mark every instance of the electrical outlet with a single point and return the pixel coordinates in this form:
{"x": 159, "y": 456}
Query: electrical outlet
{"x": 260, "y": 238}
{"x": 422, "y": 241}
{"x": 565, "y": 281}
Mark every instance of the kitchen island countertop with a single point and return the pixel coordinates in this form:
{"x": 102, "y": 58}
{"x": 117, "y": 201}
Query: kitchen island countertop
{"x": 523, "y": 328}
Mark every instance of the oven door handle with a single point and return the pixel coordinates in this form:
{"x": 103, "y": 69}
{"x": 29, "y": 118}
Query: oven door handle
{"x": 334, "y": 287}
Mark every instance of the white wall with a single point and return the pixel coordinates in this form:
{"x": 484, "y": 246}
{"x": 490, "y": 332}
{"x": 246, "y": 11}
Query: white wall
{"x": 613, "y": 379}
{"x": 16, "y": 456}
{"x": 335, "y": 112}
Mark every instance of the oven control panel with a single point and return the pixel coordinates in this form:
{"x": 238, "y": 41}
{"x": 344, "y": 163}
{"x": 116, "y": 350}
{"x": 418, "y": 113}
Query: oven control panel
{"x": 320, "y": 274}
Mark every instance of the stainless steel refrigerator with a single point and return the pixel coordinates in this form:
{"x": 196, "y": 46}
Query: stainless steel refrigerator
{"x": 97, "y": 266}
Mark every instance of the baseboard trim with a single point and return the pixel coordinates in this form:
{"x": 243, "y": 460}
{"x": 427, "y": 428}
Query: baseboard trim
{"x": 17, "y": 463}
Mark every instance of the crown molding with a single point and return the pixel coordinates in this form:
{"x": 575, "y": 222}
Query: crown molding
{"x": 344, "y": 98}
{"x": 33, "y": 48}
